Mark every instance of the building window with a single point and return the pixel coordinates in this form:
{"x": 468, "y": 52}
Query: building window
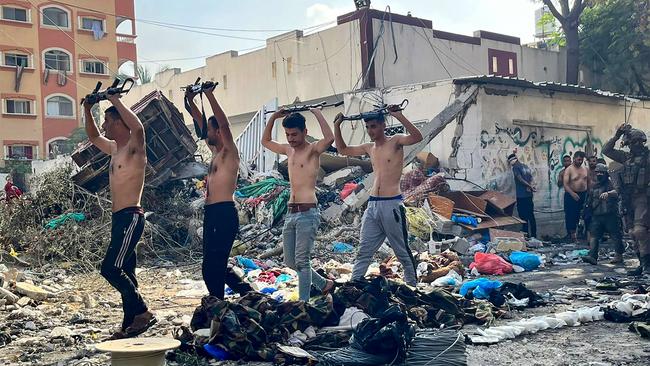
{"x": 511, "y": 66}
{"x": 60, "y": 106}
{"x": 502, "y": 63}
{"x": 15, "y": 14}
{"x": 16, "y": 59}
{"x": 57, "y": 60}
{"x": 14, "y": 106}
{"x": 93, "y": 67}
{"x": 92, "y": 24}
{"x": 22, "y": 152}
{"x": 495, "y": 65}
{"x": 56, "y": 17}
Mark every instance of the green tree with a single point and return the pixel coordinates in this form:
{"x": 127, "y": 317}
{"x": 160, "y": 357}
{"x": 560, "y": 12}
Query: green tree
{"x": 568, "y": 15}
{"x": 615, "y": 44}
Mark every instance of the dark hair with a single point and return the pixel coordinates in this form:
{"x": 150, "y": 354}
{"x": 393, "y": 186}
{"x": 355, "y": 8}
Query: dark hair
{"x": 601, "y": 161}
{"x": 512, "y": 156}
{"x": 294, "y": 120}
{"x": 213, "y": 122}
{"x": 113, "y": 112}
{"x": 566, "y": 157}
{"x": 579, "y": 154}
{"x": 379, "y": 118}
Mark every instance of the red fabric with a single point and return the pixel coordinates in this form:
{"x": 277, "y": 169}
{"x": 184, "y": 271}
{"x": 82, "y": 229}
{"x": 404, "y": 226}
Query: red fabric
{"x": 412, "y": 179}
{"x": 11, "y": 191}
{"x": 347, "y": 190}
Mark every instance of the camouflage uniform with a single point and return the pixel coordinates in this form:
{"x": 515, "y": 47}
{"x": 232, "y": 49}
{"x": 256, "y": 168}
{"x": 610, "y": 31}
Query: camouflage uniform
{"x": 634, "y": 190}
{"x": 604, "y": 216}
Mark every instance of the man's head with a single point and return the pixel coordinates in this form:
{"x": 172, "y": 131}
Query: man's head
{"x": 578, "y": 158}
{"x": 636, "y": 140}
{"x": 114, "y": 125}
{"x": 512, "y": 159}
{"x": 375, "y": 127}
{"x": 601, "y": 173}
{"x": 295, "y": 129}
{"x": 601, "y": 161}
{"x": 566, "y": 161}
{"x": 592, "y": 161}
{"x": 214, "y": 136}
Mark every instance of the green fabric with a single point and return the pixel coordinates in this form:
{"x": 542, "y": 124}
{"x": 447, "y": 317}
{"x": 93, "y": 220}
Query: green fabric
{"x": 261, "y": 187}
{"x": 54, "y": 223}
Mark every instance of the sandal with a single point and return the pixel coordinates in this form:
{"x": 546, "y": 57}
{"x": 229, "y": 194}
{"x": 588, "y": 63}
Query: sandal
{"x": 141, "y": 324}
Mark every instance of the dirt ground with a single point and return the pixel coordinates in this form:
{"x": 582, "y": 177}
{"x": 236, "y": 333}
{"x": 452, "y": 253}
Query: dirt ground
{"x": 599, "y": 343}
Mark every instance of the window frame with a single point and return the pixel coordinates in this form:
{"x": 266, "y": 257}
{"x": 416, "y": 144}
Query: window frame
{"x": 81, "y": 23}
{"x": 28, "y": 14}
{"x": 31, "y": 103}
{"x": 82, "y": 66}
{"x": 3, "y": 55}
{"x": 59, "y": 116}
{"x": 8, "y": 151}
{"x": 49, "y": 6}
{"x": 70, "y": 59}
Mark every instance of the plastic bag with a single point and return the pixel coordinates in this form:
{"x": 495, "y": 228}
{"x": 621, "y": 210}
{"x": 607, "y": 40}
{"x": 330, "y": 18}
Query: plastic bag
{"x": 348, "y": 188}
{"x": 525, "y": 260}
{"x": 482, "y": 287}
{"x": 492, "y": 264}
{"x": 451, "y": 279}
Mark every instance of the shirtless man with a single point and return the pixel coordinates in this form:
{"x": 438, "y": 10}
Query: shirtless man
{"x": 385, "y": 215}
{"x": 220, "y": 218}
{"x": 303, "y": 218}
{"x": 124, "y": 141}
{"x": 576, "y": 180}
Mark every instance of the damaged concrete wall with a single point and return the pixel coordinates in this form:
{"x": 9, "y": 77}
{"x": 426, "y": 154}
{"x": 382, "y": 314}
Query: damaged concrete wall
{"x": 542, "y": 127}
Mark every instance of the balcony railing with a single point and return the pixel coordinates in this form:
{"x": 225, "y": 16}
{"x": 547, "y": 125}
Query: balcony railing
{"x": 126, "y": 38}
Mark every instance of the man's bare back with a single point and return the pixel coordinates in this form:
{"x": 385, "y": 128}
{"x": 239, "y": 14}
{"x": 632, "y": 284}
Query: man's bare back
{"x": 222, "y": 177}
{"x": 387, "y": 160}
{"x": 126, "y": 177}
{"x": 578, "y": 178}
{"x": 303, "y": 164}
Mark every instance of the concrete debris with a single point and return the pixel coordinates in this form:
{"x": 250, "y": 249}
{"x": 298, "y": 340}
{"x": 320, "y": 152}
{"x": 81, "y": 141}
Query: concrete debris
{"x": 33, "y": 292}
{"x": 8, "y": 296}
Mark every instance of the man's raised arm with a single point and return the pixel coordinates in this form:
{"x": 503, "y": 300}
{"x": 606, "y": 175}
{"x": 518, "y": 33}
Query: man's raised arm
{"x": 105, "y": 145}
{"x": 130, "y": 120}
{"x": 328, "y": 136}
{"x": 413, "y": 135}
{"x": 222, "y": 120}
{"x": 341, "y": 146}
{"x": 608, "y": 149}
{"x": 197, "y": 116}
{"x": 267, "y": 140}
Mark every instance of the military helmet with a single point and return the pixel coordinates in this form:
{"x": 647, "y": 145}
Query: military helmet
{"x": 601, "y": 168}
{"x": 634, "y": 134}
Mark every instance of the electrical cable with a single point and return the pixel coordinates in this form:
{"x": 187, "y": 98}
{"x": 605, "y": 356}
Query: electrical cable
{"x": 433, "y": 347}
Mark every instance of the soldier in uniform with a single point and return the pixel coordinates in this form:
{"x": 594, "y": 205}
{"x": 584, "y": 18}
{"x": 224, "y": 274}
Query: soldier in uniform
{"x": 634, "y": 188}
{"x": 602, "y": 204}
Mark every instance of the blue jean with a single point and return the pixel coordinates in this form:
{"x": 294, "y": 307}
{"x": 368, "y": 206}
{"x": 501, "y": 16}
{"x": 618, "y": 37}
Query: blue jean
{"x": 299, "y": 233}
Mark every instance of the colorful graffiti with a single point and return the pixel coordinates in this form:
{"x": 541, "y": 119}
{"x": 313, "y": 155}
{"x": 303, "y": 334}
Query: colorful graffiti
{"x": 539, "y": 148}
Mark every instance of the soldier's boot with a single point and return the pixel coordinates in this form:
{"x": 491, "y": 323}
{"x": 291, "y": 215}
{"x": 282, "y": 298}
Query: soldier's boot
{"x": 638, "y": 271}
{"x": 645, "y": 265}
{"x": 618, "y": 259}
{"x": 592, "y": 257}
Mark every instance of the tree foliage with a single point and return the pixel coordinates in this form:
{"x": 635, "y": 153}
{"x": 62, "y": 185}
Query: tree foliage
{"x": 615, "y": 44}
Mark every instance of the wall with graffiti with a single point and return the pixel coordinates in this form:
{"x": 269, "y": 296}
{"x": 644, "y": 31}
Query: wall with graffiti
{"x": 541, "y": 129}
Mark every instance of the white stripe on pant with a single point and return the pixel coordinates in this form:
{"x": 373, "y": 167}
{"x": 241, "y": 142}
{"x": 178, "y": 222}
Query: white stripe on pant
{"x": 126, "y": 242}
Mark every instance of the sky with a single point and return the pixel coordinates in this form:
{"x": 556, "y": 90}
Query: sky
{"x": 159, "y": 45}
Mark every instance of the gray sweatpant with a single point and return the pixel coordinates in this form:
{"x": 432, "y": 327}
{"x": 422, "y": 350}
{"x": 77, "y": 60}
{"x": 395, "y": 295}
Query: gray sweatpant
{"x": 384, "y": 218}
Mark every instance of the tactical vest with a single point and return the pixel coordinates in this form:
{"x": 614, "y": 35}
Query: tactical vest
{"x": 598, "y": 206}
{"x": 635, "y": 174}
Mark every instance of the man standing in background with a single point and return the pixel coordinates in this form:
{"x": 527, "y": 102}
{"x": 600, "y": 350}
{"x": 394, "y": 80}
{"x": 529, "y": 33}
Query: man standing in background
{"x": 524, "y": 188}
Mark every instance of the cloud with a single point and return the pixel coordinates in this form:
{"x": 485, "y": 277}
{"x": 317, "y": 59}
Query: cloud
{"x": 322, "y": 13}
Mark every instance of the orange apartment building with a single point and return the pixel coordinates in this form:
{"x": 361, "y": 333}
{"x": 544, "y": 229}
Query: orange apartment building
{"x": 52, "y": 53}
